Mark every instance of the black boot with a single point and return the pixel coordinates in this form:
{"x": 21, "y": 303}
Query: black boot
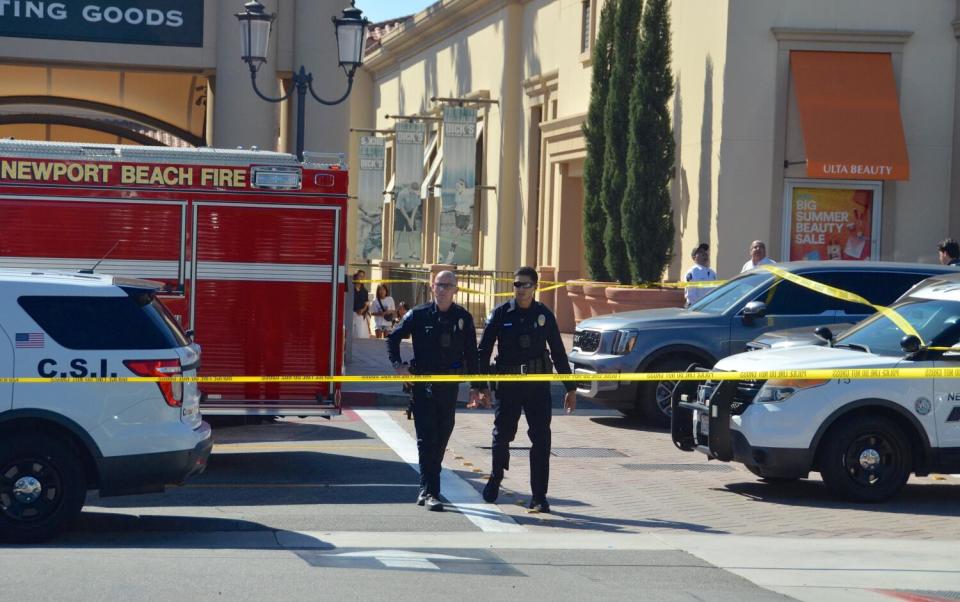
{"x": 540, "y": 505}
{"x": 492, "y": 489}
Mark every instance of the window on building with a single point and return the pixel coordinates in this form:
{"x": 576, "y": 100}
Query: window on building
{"x": 585, "y": 26}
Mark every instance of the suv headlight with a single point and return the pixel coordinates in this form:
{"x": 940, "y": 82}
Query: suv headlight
{"x": 776, "y": 390}
{"x": 624, "y": 341}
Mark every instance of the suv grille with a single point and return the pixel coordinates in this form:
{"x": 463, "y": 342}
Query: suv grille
{"x": 586, "y": 340}
{"x": 744, "y": 394}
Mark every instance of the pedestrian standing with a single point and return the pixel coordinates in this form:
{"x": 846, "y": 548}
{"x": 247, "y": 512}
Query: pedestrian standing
{"x": 522, "y": 330}
{"x": 444, "y": 342}
{"x": 949, "y": 252}
{"x": 758, "y": 256}
{"x": 383, "y": 310}
{"x": 361, "y": 306}
{"x": 699, "y": 272}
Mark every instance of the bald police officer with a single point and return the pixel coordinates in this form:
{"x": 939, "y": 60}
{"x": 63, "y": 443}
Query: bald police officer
{"x": 444, "y": 342}
{"x": 522, "y": 329}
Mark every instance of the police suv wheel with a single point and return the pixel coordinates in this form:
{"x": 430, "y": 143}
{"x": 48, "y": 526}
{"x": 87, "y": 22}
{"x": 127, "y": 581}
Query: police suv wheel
{"x": 866, "y": 459}
{"x": 42, "y": 488}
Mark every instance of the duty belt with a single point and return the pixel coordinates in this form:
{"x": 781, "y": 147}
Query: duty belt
{"x": 534, "y": 366}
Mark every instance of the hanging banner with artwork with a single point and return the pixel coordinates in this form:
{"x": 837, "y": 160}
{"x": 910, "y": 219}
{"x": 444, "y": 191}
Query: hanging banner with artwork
{"x": 370, "y": 199}
{"x": 458, "y": 197}
{"x": 407, "y": 203}
{"x": 832, "y": 223}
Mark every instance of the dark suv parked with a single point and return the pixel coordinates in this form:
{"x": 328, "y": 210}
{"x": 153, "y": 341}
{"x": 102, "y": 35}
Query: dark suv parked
{"x": 722, "y": 323}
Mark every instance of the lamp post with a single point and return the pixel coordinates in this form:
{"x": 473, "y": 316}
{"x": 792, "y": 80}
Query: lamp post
{"x": 255, "y": 25}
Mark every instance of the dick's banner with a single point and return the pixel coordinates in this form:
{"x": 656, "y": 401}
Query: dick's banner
{"x": 459, "y": 194}
{"x": 407, "y": 204}
{"x": 370, "y": 205}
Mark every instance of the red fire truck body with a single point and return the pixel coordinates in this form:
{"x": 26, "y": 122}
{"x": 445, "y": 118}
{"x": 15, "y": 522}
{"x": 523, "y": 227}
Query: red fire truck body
{"x": 250, "y": 246}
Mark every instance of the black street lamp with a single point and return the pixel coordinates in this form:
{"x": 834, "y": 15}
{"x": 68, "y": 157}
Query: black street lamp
{"x": 350, "y": 29}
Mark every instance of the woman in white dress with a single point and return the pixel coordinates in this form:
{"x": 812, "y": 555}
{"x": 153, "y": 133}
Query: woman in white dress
{"x": 384, "y": 311}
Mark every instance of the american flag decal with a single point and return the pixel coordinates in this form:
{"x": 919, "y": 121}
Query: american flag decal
{"x": 29, "y": 340}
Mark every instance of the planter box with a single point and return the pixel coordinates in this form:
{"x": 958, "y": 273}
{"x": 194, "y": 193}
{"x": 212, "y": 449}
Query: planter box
{"x": 629, "y": 299}
{"x": 601, "y": 298}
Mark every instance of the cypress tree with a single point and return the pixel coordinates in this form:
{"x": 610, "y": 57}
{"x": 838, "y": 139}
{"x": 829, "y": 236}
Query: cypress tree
{"x": 615, "y": 128}
{"x": 594, "y": 218}
{"x": 647, "y": 214}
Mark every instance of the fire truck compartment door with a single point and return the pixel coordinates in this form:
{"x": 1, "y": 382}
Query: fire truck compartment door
{"x": 139, "y": 239}
{"x": 265, "y": 299}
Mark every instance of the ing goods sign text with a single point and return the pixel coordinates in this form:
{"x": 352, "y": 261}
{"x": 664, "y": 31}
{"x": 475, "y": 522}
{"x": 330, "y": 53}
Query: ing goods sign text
{"x": 151, "y": 22}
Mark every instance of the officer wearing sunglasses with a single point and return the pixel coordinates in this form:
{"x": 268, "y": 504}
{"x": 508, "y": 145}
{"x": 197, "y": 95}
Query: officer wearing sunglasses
{"x": 444, "y": 342}
{"x": 522, "y": 330}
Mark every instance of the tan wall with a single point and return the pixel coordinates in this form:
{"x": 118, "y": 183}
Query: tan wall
{"x": 734, "y": 120}
{"x": 699, "y": 63}
{"x": 464, "y": 60}
{"x": 749, "y": 187}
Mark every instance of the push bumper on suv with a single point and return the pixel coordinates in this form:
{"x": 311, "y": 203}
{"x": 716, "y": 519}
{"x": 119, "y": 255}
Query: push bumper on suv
{"x": 701, "y": 421}
{"x": 150, "y": 473}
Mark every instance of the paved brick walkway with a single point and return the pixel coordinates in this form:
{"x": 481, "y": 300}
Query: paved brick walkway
{"x": 655, "y": 487}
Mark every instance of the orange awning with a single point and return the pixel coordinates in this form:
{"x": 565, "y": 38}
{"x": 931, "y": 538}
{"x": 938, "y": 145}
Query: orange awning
{"x": 850, "y": 115}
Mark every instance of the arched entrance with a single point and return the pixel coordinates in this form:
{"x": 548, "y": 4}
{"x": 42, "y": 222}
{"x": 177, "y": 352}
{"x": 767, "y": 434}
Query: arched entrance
{"x": 67, "y": 104}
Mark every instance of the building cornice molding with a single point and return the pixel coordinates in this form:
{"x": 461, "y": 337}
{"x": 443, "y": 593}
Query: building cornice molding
{"x": 545, "y": 82}
{"x": 845, "y": 36}
{"x": 428, "y": 27}
{"x": 566, "y": 126}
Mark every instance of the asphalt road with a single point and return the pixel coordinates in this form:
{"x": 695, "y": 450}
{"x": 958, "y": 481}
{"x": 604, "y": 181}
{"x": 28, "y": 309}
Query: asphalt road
{"x": 308, "y": 509}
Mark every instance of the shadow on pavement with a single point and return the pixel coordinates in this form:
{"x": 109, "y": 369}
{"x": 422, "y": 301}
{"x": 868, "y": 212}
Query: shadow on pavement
{"x": 586, "y": 522}
{"x": 282, "y": 431}
{"x": 625, "y": 422}
{"x": 918, "y": 498}
{"x": 106, "y": 530}
{"x": 283, "y": 479}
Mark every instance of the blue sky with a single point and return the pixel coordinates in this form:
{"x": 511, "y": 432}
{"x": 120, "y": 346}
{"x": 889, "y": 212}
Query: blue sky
{"x": 381, "y": 10}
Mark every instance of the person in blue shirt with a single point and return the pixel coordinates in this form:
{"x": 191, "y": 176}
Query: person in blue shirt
{"x": 522, "y": 329}
{"x": 444, "y": 342}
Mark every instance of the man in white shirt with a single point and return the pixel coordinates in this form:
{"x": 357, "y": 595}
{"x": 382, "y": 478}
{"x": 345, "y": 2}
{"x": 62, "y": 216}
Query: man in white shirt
{"x": 699, "y": 272}
{"x": 758, "y": 256}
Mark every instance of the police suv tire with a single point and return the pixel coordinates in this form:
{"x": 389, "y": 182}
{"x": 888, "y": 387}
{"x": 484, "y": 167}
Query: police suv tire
{"x": 55, "y": 466}
{"x": 648, "y": 405}
{"x": 861, "y": 440}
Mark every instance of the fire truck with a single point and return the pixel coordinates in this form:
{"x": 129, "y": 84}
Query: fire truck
{"x": 249, "y": 246}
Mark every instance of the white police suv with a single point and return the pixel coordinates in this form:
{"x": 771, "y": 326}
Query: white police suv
{"x": 59, "y": 440}
{"x": 864, "y": 437}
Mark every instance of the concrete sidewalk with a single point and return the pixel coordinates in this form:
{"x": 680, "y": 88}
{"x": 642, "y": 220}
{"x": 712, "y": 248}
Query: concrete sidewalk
{"x": 369, "y": 358}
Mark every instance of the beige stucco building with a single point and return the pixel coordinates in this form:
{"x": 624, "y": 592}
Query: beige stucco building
{"x": 743, "y": 169}
{"x": 166, "y": 72}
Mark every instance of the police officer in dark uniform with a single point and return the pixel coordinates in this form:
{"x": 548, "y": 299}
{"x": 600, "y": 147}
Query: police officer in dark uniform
{"x": 444, "y": 342}
{"x": 523, "y": 328}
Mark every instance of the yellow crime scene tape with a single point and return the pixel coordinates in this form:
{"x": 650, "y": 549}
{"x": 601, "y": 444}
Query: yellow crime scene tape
{"x": 817, "y": 374}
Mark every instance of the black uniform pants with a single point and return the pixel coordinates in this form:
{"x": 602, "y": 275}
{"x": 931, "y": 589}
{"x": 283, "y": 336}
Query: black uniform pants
{"x": 434, "y": 412}
{"x": 533, "y": 399}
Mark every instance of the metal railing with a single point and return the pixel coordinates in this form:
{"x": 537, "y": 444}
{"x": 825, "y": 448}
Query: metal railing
{"x": 480, "y": 290}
